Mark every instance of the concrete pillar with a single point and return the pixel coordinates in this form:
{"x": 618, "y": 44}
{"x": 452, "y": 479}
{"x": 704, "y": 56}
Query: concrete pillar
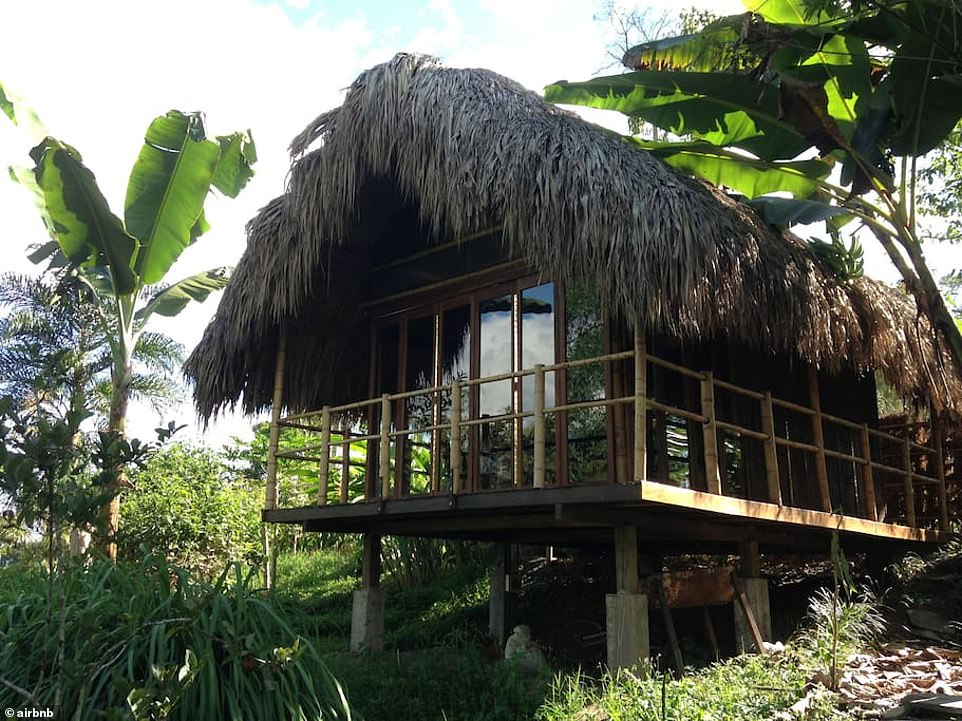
{"x": 367, "y": 613}
{"x": 498, "y": 599}
{"x": 367, "y": 620}
{"x": 626, "y": 623}
{"x": 756, "y": 590}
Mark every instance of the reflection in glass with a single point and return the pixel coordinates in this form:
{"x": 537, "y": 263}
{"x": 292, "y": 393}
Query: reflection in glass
{"x": 586, "y": 428}
{"x": 537, "y": 346}
{"x": 496, "y": 463}
{"x": 419, "y": 410}
{"x": 455, "y": 365}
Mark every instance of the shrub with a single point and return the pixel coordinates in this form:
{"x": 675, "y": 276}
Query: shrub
{"x": 148, "y": 641}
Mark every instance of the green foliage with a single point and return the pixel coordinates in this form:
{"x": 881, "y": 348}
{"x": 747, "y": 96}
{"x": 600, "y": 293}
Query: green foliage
{"x": 746, "y": 95}
{"x": 147, "y": 641}
{"x": 452, "y": 683}
{"x": 187, "y": 504}
{"x": 752, "y": 688}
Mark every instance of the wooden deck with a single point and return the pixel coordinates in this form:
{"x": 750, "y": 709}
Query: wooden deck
{"x": 873, "y": 486}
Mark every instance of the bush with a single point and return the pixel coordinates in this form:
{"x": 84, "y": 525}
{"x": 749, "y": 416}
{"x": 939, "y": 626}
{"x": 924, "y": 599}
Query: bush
{"x": 145, "y": 641}
{"x": 187, "y": 502}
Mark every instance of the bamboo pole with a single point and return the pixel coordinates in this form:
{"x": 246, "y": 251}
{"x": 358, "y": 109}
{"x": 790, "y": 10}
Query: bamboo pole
{"x": 709, "y": 434}
{"x": 539, "y": 427}
{"x": 818, "y": 437}
{"x": 937, "y": 431}
{"x": 345, "y": 471}
{"x": 325, "y": 460}
{"x": 384, "y": 447}
{"x": 910, "y": 518}
{"x": 270, "y": 494}
{"x": 641, "y": 406}
{"x": 868, "y": 474}
{"x": 455, "y": 437}
{"x": 771, "y": 450}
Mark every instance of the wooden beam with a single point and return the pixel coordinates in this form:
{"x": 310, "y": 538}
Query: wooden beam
{"x": 771, "y": 451}
{"x": 539, "y": 427}
{"x": 759, "y": 510}
{"x": 324, "y": 464}
{"x": 384, "y": 450}
{"x": 371, "y": 561}
{"x": 746, "y": 608}
{"x": 676, "y": 656}
{"x": 626, "y": 559}
{"x": 938, "y": 431}
{"x": 270, "y": 494}
{"x": 818, "y": 436}
{"x": 455, "y": 438}
{"x": 749, "y": 559}
{"x": 641, "y": 405}
{"x": 868, "y": 475}
{"x": 710, "y": 435}
{"x": 909, "y": 486}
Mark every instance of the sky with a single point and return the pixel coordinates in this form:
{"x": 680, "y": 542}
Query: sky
{"x": 97, "y": 71}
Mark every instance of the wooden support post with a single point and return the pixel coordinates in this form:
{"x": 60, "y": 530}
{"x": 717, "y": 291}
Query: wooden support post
{"x": 937, "y": 438}
{"x": 641, "y": 404}
{"x": 498, "y": 596}
{"x": 345, "y": 490}
{"x": 710, "y": 435}
{"x": 910, "y": 518}
{"x": 270, "y": 495}
{"x": 749, "y": 559}
{"x": 742, "y": 598}
{"x": 626, "y": 559}
{"x": 818, "y": 437}
{"x": 539, "y": 427}
{"x": 710, "y": 632}
{"x": 677, "y": 659}
{"x": 771, "y": 451}
{"x": 868, "y": 475}
{"x": 455, "y": 438}
{"x": 384, "y": 447}
{"x": 325, "y": 462}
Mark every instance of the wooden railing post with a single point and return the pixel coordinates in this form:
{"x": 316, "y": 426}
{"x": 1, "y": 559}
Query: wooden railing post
{"x": 818, "y": 437}
{"x": 641, "y": 405}
{"x": 771, "y": 450}
{"x": 345, "y": 494}
{"x": 539, "y": 429}
{"x": 910, "y": 518}
{"x": 270, "y": 494}
{"x": 937, "y": 432}
{"x": 325, "y": 461}
{"x": 710, "y": 434}
{"x": 384, "y": 447}
{"x": 868, "y": 475}
{"x": 455, "y": 436}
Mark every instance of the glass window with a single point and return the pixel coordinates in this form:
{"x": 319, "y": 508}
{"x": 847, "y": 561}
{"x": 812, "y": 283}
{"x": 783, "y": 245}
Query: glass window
{"x": 496, "y": 398}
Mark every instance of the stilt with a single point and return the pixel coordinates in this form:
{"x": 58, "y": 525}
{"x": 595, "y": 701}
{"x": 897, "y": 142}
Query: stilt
{"x": 755, "y": 590}
{"x": 367, "y": 619}
{"x": 498, "y": 600}
{"x": 626, "y": 611}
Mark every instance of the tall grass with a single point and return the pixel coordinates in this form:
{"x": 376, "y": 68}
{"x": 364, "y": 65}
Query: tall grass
{"x": 145, "y": 640}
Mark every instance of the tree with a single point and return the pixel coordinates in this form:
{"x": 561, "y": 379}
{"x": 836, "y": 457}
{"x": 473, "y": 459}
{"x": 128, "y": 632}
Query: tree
{"x": 119, "y": 260}
{"x": 52, "y": 354}
{"x": 869, "y": 85}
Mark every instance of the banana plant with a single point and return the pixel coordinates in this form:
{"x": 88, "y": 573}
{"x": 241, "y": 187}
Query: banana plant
{"x": 779, "y": 97}
{"x": 125, "y": 261}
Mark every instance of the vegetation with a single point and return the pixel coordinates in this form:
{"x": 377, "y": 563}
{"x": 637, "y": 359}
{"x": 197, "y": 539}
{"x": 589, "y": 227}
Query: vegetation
{"x": 146, "y": 641}
{"x": 121, "y": 262}
{"x": 869, "y": 86}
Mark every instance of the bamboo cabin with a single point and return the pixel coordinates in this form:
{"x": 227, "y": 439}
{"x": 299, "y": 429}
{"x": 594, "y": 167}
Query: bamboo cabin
{"x": 479, "y": 316}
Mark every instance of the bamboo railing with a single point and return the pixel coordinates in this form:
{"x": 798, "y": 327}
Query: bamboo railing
{"x": 884, "y": 468}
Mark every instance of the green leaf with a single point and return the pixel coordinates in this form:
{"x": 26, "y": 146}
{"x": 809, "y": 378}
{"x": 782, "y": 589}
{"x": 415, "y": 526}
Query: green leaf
{"x": 172, "y": 300}
{"x": 704, "y": 51}
{"x": 720, "y": 108}
{"x": 80, "y": 218}
{"x": 792, "y": 211}
{"x": 750, "y": 176}
{"x": 235, "y": 167}
{"x": 789, "y": 12}
{"x": 6, "y": 105}
{"x": 168, "y": 185}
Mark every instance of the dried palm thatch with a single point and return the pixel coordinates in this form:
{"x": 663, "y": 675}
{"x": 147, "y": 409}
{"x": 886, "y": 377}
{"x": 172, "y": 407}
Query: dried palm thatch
{"x": 466, "y": 150}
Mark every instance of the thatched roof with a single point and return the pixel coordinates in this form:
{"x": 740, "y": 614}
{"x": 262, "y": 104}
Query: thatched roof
{"x": 457, "y": 151}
